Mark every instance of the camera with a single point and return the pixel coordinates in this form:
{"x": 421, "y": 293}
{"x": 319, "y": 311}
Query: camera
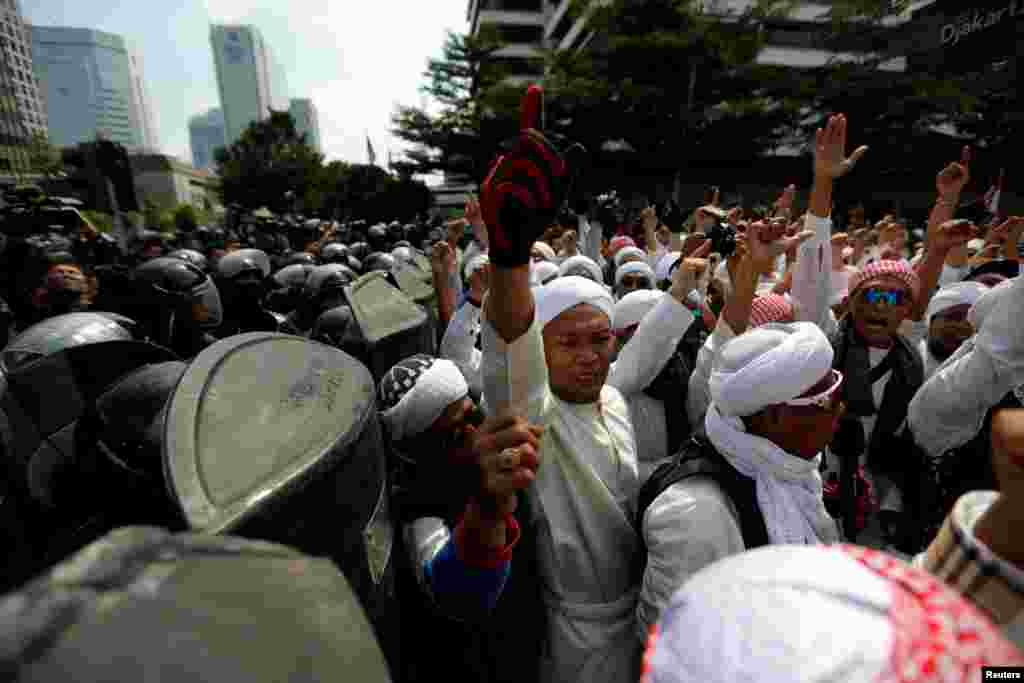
{"x": 723, "y": 239}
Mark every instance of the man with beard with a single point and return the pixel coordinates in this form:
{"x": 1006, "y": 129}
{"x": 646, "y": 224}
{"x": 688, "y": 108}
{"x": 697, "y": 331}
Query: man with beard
{"x": 947, "y": 323}
{"x": 455, "y": 514}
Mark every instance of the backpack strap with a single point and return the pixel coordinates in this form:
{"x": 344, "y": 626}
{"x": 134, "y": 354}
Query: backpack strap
{"x": 698, "y": 457}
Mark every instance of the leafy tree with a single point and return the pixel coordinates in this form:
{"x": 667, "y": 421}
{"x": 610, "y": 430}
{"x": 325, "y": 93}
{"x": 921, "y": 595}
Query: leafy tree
{"x": 268, "y": 161}
{"x": 460, "y": 139}
{"x": 186, "y": 218}
{"x": 44, "y": 158}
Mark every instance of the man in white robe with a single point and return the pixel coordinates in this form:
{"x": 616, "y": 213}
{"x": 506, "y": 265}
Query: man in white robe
{"x": 548, "y": 361}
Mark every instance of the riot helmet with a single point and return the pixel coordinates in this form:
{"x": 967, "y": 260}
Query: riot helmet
{"x": 377, "y": 237}
{"x": 179, "y": 302}
{"x": 192, "y": 256}
{"x": 334, "y": 253}
{"x": 379, "y": 261}
{"x": 359, "y": 250}
{"x": 299, "y": 258}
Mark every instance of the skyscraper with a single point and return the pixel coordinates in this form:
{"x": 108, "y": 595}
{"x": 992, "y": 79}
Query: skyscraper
{"x": 206, "y": 134}
{"x": 93, "y": 86}
{"x": 250, "y": 80}
{"x": 303, "y": 111}
{"x": 22, "y": 108}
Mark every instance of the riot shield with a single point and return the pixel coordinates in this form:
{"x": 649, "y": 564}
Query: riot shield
{"x": 275, "y": 437}
{"x": 143, "y": 605}
{"x": 391, "y": 325}
{"x": 419, "y": 286}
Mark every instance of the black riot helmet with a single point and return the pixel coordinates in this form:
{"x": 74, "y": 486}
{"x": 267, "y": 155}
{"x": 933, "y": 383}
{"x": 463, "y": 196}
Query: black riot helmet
{"x": 334, "y": 253}
{"x": 404, "y": 254}
{"x": 379, "y": 261}
{"x": 326, "y": 284}
{"x": 334, "y": 327}
{"x": 244, "y": 263}
{"x": 300, "y": 258}
{"x": 293, "y": 276}
{"x": 395, "y": 231}
{"x": 192, "y": 256}
{"x": 355, "y": 264}
{"x": 178, "y": 302}
{"x": 105, "y": 614}
{"x": 377, "y": 236}
{"x": 359, "y": 250}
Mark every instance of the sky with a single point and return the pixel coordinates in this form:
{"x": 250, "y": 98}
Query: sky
{"x": 355, "y": 60}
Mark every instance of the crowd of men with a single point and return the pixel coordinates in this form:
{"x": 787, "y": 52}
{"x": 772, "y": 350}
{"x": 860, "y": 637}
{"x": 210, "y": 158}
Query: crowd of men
{"x": 721, "y": 448}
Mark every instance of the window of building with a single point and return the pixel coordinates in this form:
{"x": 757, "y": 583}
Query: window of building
{"x": 519, "y": 34}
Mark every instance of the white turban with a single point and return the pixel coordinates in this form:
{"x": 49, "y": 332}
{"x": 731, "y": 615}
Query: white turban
{"x": 956, "y": 294}
{"x": 574, "y": 264}
{"x": 545, "y": 248}
{"x": 631, "y": 309}
{"x": 832, "y": 614}
{"x": 474, "y": 264}
{"x": 665, "y": 264}
{"x": 417, "y": 391}
{"x": 986, "y": 303}
{"x": 567, "y": 291}
{"x": 621, "y": 254}
{"x": 633, "y": 267}
{"x": 542, "y": 271}
{"x": 771, "y": 364}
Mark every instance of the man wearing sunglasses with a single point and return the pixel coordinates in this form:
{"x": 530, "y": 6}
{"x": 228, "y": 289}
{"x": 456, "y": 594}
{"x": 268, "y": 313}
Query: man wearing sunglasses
{"x": 631, "y": 277}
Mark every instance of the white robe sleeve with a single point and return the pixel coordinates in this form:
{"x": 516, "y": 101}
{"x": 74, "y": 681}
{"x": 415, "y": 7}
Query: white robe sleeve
{"x": 949, "y": 409}
{"x": 812, "y": 275}
{"x": 588, "y": 237}
{"x": 653, "y": 343}
{"x": 689, "y": 526}
{"x": 515, "y": 375}
{"x": 698, "y": 396}
{"x": 459, "y": 345}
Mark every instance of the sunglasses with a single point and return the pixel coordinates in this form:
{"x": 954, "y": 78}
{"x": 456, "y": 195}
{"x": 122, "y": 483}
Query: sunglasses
{"x": 635, "y": 282}
{"x": 892, "y": 297}
{"x": 827, "y": 399}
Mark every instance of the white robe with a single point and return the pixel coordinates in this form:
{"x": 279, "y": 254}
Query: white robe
{"x": 583, "y": 500}
{"x": 459, "y": 345}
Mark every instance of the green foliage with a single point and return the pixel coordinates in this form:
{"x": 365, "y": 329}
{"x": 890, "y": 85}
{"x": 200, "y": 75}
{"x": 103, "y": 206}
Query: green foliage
{"x": 270, "y": 160}
{"x": 461, "y": 137}
{"x": 186, "y": 218}
{"x": 103, "y": 222}
{"x": 43, "y": 157}
{"x": 369, "y": 192}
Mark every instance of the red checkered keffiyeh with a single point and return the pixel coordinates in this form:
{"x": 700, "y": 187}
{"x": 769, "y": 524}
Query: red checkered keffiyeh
{"x": 878, "y": 270}
{"x": 618, "y": 243}
{"x": 770, "y": 308}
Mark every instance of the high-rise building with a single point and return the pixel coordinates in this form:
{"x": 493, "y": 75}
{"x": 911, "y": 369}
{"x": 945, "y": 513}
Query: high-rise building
{"x": 143, "y": 103}
{"x": 519, "y": 24}
{"x": 251, "y": 81}
{"x": 206, "y": 134}
{"x": 93, "y": 87}
{"x": 306, "y": 121}
{"x": 22, "y": 107}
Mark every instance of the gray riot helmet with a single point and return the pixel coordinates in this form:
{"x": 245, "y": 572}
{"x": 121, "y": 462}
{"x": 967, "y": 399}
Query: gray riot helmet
{"x": 276, "y": 437}
{"x": 235, "y": 610}
{"x": 334, "y": 327}
{"x": 334, "y": 253}
{"x": 243, "y": 262}
{"x": 175, "y": 303}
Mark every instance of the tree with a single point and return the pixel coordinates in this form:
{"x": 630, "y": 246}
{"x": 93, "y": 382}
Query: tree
{"x": 44, "y": 158}
{"x": 460, "y": 139}
{"x": 269, "y": 160}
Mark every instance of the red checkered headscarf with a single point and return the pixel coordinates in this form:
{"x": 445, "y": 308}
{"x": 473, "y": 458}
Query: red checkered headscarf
{"x": 618, "y": 243}
{"x": 771, "y": 308}
{"x": 880, "y": 270}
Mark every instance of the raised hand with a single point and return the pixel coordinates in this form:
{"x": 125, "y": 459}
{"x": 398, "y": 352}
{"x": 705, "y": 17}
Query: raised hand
{"x": 507, "y": 453}
{"x": 951, "y": 180}
{"x": 689, "y": 270}
{"x": 524, "y": 189}
{"x": 649, "y": 218}
{"x": 442, "y": 258}
{"x": 951, "y": 234}
{"x": 830, "y": 160}
{"x": 786, "y": 200}
{"x": 764, "y": 246}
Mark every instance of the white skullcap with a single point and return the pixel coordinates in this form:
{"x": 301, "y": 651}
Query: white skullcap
{"x": 567, "y": 291}
{"x": 771, "y": 364}
{"x": 579, "y": 264}
{"x": 631, "y": 309}
{"x": 545, "y": 248}
{"x": 541, "y": 272}
{"x": 956, "y": 294}
{"x": 416, "y": 391}
{"x": 830, "y": 614}
{"x": 474, "y": 264}
{"x": 633, "y": 267}
{"x": 621, "y": 254}
{"x": 976, "y": 244}
{"x": 986, "y": 303}
{"x": 665, "y": 264}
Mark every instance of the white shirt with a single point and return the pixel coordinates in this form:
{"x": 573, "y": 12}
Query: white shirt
{"x": 459, "y": 345}
{"x": 582, "y": 498}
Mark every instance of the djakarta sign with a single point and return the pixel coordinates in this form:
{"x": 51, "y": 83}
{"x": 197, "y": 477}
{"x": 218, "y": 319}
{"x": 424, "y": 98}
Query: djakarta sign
{"x": 974, "y": 21}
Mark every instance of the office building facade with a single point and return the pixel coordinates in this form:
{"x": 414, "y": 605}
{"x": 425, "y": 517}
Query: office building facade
{"x": 206, "y": 134}
{"x": 93, "y": 88}
{"x": 307, "y": 121}
{"x": 250, "y": 79}
{"x": 22, "y": 103}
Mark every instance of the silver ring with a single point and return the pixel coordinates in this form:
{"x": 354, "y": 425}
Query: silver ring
{"x": 509, "y": 458}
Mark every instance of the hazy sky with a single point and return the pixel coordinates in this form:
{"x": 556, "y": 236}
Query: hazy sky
{"x": 355, "y": 60}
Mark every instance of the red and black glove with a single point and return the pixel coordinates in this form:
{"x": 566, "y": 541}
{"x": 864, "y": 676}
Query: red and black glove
{"x": 525, "y": 188}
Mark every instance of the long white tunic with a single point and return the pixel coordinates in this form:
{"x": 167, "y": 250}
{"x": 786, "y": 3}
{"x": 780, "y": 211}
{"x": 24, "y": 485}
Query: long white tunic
{"x": 583, "y": 499}
{"x": 639, "y": 363}
{"x": 459, "y": 345}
